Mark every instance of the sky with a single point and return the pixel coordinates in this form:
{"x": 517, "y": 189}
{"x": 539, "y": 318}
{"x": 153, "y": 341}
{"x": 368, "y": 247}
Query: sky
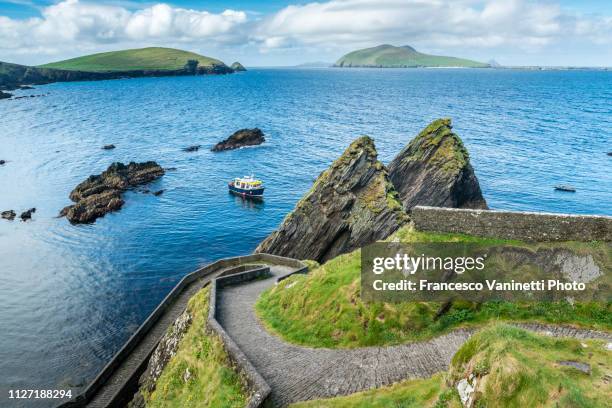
{"x": 285, "y": 32}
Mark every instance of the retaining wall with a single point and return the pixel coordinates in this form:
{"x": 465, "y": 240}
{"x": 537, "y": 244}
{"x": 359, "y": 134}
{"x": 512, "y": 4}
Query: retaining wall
{"x": 526, "y": 226}
{"x": 259, "y": 388}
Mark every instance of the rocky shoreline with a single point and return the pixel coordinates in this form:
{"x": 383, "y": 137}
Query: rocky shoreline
{"x": 14, "y": 76}
{"x": 100, "y": 194}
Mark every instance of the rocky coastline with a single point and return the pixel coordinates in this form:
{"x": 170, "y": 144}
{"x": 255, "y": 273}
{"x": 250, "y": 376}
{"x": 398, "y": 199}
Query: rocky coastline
{"x": 14, "y": 76}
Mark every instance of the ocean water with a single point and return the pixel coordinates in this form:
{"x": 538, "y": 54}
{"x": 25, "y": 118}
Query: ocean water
{"x": 71, "y": 295}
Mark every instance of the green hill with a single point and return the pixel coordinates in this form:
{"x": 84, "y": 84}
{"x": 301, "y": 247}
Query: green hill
{"x": 389, "y": 56}
{"x": 324, "y": 308}
{"x": 151, "y": 58}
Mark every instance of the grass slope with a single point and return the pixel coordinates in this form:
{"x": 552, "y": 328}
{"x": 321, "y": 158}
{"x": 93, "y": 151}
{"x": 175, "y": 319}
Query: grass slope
{"x": 389, "y": 56}
{"x": 514, "y": 368}
{"x": 152, "y": 58}
{"x": 324, "y": 308}
{"x": 213, "y": 382}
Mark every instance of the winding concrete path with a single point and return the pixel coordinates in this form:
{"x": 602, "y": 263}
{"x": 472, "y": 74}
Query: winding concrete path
{"x": 297, "y": 373}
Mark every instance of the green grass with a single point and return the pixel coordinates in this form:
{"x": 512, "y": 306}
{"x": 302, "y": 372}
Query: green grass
{"x": 152, "y": 58}
{"x": 401, "y": 57}
{"x": 514, "y": 369}
{"x": 324, "y": 308}
{"x": 407, "y": 394}
{"x": 213, "y": 383}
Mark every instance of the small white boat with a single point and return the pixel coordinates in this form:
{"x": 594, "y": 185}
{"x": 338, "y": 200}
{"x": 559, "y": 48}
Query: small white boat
{"x": 247, "y": 187}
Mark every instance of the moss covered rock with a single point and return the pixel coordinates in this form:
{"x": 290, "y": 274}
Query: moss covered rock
{"x": 351, "y": 204}
{"x": 434, "y": 169}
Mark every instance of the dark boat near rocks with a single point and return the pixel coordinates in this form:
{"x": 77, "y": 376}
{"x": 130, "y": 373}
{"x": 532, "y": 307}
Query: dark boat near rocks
{"x": 247, "y": 187}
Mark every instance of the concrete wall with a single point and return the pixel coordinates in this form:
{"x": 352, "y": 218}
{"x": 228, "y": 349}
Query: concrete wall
{"x": 527, "y": 226}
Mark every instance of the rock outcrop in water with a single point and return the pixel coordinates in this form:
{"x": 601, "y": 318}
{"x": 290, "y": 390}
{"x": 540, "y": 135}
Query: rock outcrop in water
{"x": 8, "y": 215}
{"x": 27, "y": 215}
{"x": 5, "y": 95}
{"x": 101, "y": 194}
{"x": 241, "y": 138}
{"x": 434, "y": 169}
{"x": 238, "y": 67}
{"x": 351, "y": 204}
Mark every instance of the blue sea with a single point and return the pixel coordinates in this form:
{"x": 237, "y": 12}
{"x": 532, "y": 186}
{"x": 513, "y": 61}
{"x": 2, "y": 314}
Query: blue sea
{"x": 71, "y": 295}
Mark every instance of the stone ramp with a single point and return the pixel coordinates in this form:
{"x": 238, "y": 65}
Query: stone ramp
{"x": 117, "y": 383}
{"x": 297, "y": 373}
{"x": 127, "y": 373}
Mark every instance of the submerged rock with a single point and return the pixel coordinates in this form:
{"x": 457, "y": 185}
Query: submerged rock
{"x": 5, "y": 95}
{"x": 108, "y": 147}
{"x": 238, "y": 67}
{"x": 8, "y": 215}
{"x": 434, "y": 169}
{"x": 565, "y": 188}
{"x": 241, "y": 138}
{"x": 351, "y": 204}
{"x": 101, "y": 194}
{"x": 27, "y": 215}
{"x": 193, "y": 148}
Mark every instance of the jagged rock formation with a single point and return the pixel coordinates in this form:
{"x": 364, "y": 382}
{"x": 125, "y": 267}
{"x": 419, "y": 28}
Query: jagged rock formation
{"x": 434, "y": 169}
{"x": 241, "y": 138}
{"x": 351, "y": 204}
{"x": 101, "y": 194}
{"x": 238, "y": 67}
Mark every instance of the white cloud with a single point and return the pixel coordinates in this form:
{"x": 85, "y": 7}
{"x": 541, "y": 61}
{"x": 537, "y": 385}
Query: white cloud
{"x": 468, "y": 27}
{"x": 488, "y": 23}
{"x": 72, "y": 22}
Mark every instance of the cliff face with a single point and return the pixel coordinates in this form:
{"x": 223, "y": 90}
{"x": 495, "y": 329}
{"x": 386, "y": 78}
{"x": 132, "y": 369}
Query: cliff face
{"x": 14, "y": 75}
{"x": 350, "y": 205}
{"x": 434, "y": 169}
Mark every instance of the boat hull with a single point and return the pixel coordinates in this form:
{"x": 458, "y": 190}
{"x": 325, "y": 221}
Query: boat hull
{"x": 251, "y": 193}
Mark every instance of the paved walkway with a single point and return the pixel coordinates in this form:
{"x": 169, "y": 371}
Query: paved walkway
{"x": 298, "y": 373}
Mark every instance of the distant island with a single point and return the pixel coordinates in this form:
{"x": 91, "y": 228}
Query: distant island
{"x": 142, "y": 62}
{"x": 389, "y": 56}
{"x": 315, "y": 64}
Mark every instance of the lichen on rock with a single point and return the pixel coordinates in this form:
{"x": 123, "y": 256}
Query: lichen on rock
{"x": 351, "y": 204}
{"x": 434, "y": 169}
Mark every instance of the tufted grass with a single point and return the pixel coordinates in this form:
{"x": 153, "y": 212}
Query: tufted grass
{"x": 515, "y": 368}
{"x": 324, "y": 308}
